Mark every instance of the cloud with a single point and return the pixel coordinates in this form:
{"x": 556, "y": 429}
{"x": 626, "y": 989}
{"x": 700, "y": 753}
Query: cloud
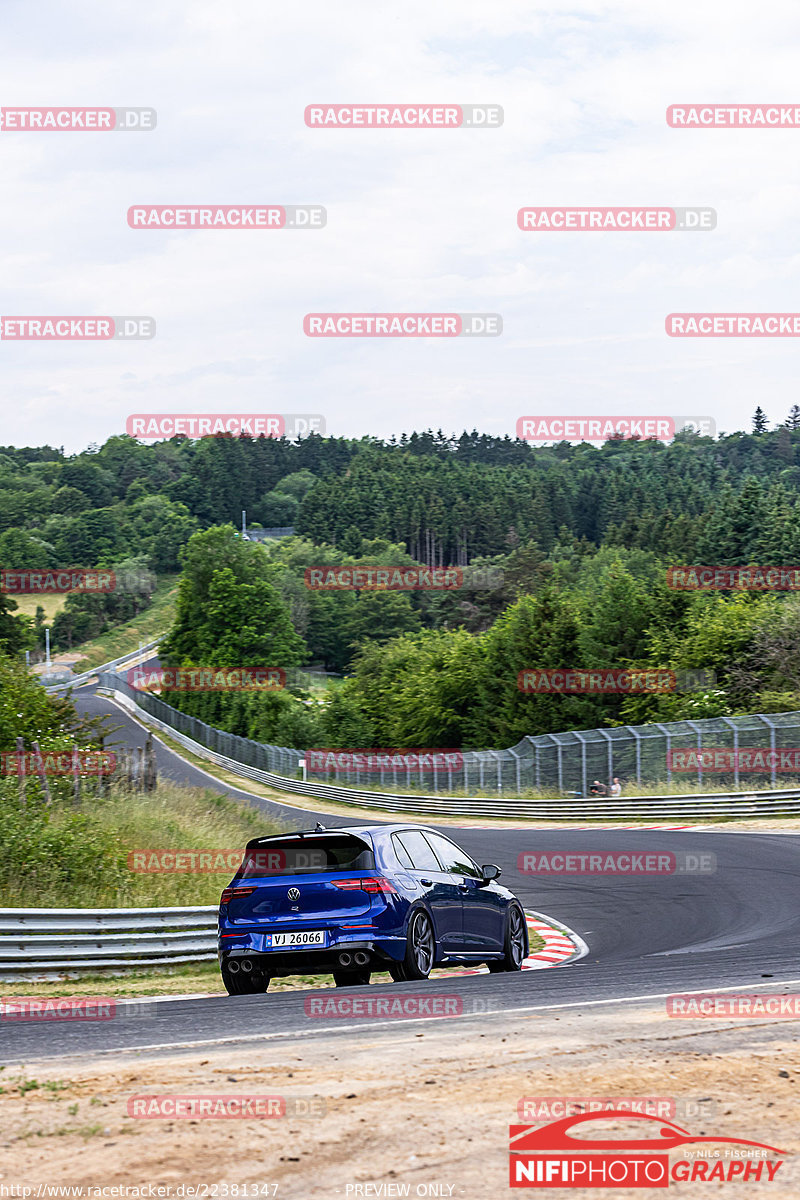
{"x": 417, "y": 220}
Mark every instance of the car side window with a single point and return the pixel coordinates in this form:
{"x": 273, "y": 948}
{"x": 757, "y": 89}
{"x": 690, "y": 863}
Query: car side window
{"x": 402, "y": 854}
{"x": 452, "y": 859}
{"x": 418, "y": 850}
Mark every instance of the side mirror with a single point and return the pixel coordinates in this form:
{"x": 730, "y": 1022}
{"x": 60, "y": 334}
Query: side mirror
{"x": 489, "y": 872}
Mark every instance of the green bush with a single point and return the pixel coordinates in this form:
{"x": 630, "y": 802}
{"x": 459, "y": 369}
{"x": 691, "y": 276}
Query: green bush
{"x": 52, "y": 858}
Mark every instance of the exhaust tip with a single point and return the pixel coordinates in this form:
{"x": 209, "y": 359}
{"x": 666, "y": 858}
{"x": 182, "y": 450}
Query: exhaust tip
{"x": 361, "y": 958}
{"x": 247, "y": 966}
{"x": 345, "y": 958}
{"x": 233, "y": 967}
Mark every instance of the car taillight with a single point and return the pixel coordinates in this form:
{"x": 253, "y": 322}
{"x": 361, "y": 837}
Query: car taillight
{"x": 229, "y": 892}
{"x": 374, "y": 886}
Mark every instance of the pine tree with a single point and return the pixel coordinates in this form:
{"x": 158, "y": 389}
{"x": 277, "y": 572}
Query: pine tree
{"x": 759, "y": 420}
{"x": 12, "y": 631}
{"x": 793, "y": 420}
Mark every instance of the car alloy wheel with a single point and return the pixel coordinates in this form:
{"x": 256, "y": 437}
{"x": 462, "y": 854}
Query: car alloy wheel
{"x": 514, "y": 942}
{"x": 516, "y": 938}
{"x": 421, "y": 947}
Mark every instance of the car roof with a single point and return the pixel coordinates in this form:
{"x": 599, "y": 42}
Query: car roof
{"x": 354, "y": 830}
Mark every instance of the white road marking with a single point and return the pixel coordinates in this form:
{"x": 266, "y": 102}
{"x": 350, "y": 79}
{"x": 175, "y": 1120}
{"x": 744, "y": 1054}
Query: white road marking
{"x": 298, "y": 1033}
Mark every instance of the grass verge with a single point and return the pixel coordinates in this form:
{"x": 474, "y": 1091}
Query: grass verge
{"x": 65, "y": 857}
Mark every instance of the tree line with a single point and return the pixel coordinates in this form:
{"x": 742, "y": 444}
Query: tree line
{"x": 580, "y": 538}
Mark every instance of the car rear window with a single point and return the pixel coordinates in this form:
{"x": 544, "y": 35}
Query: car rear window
{"x": 305, "y": 856}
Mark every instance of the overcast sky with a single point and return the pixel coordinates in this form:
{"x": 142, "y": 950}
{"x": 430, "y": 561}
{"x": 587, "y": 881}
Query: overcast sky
{"x": 418, "y": 220}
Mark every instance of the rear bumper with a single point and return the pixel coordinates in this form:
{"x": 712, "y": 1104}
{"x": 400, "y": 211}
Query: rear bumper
{"x": 382, "y": 953}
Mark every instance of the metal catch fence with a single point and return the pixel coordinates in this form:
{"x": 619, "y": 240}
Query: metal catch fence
{"x": 760, "y": 752}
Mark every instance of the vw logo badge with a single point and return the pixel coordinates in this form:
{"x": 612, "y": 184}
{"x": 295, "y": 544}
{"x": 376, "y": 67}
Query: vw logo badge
{"x": 293, "y": 893}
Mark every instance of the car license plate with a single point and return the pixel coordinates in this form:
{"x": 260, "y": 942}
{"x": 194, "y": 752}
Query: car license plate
{"x": 297, "y": 938}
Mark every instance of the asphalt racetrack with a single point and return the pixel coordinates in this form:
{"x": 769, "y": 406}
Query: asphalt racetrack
{"x": 736, "y": 927}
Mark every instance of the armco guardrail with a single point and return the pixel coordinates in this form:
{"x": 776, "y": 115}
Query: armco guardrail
{"x": 701, "y": 806}
{"x": 77, "y": 680}
{"x": 47, "y": 940}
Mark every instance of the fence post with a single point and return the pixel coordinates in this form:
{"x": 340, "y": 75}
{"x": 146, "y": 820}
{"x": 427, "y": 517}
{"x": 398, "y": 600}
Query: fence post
{"x": 771, "y": 724}
{"x": 667, "y": 761}
{"x": 21, "y": 771}
{"x": 699, "y": 732}
{"x": 584, "y": 776}
{"x": 638, "y": 754}
{"x": 735, "y": 729}
{"x": 40, "y": 771}
{"x": 76, "y": 775}
{"x": 150, "y": 768}
{"x": 517, "y": 765}
{"x": 609, "y": 756}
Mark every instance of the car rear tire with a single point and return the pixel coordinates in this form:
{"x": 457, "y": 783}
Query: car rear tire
{"x": 420, "y": 950}
{"x": 241, "y": 984}
{"x": 352, "y": 978}
{"x": 515, "y": 942}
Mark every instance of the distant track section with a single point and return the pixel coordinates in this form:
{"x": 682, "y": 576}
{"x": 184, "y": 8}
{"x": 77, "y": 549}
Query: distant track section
{"x": 78, "y": 680}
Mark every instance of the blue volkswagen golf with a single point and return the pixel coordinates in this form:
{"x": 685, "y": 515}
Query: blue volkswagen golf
{"x": 397, "y": 898}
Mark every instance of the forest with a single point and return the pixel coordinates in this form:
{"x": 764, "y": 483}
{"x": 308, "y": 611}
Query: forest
{"x": 569, "y": 549}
